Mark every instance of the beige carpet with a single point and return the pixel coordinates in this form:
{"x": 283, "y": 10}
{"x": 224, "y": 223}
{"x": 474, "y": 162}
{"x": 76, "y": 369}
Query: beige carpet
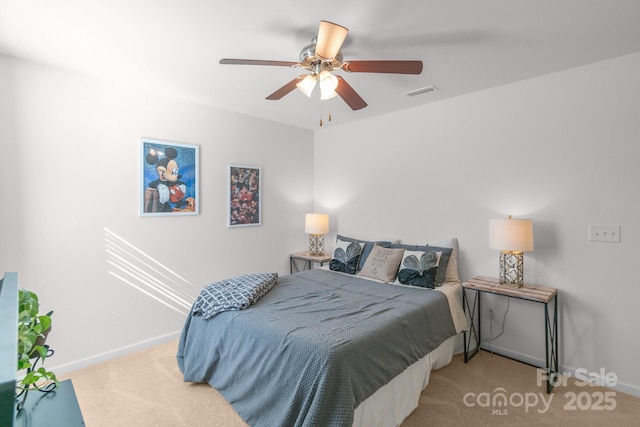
{"x": 146, "y": 389}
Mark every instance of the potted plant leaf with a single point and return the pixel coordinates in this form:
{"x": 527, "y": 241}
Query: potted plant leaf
{"x": 33, "y": 329}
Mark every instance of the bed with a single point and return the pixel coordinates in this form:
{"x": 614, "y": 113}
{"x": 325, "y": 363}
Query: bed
{"x": 328, "y": 348}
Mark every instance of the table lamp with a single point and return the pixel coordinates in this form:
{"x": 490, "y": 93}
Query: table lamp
{"x": 316, "y": 226}
{"x": 512, "y": 237}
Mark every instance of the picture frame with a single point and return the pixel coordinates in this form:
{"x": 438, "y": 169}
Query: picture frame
{"x": 169, "y": 178}
{"x": 244, "y": 201}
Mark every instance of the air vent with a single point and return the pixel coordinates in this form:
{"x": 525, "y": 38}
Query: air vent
{"x": 421, "y": 90}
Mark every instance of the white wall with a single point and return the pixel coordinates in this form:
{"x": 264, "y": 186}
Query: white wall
{"x": 562, "y": 149}
{"x": 70, "y": 224}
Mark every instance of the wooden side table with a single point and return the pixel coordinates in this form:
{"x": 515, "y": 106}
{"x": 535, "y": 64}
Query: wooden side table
{"x": 301, "y": 261}
{"x": 540, "y": 294}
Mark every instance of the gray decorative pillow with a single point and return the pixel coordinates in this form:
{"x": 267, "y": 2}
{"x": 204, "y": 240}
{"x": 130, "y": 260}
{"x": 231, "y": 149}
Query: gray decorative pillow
{"x": 366, "y": 249}
{"x": 419, "y": 268}
{"x": 444, "y": 258}
{"x": 382, "y": 263}
{"x": 346, "y": 256}
{"x": 452, "y": 266}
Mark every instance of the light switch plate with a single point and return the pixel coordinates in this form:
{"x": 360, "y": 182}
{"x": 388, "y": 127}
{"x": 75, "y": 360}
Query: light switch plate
{"x": 604, "y": 233}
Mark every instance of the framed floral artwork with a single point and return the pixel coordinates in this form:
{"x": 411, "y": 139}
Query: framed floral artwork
{"x": 169, "y": 178}
{"x": 244, "y": 204}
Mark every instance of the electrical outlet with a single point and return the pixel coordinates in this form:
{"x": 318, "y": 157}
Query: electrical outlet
{"x": 604, "y": 233}
{"x": 491, "y": 314}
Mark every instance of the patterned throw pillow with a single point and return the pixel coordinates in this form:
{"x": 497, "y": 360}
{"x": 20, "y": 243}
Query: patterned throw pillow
{"x": 366, "y": 248}
{"x": 443, "y": 260}
{"x": 382, "y": 264}
{"x": 236, "y": 293}
{"x": 419, "y": 268}
{"x": 346, "y": 256}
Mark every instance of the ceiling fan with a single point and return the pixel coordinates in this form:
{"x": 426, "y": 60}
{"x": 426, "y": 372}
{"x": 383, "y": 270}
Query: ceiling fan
{"x": 322, "y": 56}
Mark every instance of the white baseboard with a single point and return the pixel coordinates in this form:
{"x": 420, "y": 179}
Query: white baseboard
{"x": 66, "y": 368}
{"x": 569, "y": 370}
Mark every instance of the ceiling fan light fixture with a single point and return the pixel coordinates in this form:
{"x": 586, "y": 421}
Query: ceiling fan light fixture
{"x": 330, "y": 39}
{"x": 323, "y": 55}
{"x": 328, "y": 94}
{"x": 307, "y": 84}
{"x": 328, "y": 84}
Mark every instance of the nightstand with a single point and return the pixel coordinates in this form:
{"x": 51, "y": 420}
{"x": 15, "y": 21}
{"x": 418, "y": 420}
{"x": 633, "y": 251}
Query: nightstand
{"x": 539, "y": 294}
{"x": 58, "y": 408}
{"x": 301, "y": 261}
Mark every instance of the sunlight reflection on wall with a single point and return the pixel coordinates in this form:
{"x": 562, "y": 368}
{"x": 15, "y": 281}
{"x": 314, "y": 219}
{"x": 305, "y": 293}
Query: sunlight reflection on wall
{"x": 140, "y": 271}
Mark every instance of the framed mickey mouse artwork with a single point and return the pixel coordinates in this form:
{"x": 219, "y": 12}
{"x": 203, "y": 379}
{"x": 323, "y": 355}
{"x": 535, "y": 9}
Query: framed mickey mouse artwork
{"x": 169, "y": 178}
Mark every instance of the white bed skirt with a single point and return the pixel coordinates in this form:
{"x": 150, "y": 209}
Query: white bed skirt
{"x": 393, "y": 402}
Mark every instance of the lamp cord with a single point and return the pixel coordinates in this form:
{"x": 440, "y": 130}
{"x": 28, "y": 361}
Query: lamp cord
{"x": 504, "y": 319}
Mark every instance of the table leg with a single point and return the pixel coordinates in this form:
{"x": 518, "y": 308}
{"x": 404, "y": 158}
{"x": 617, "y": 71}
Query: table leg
{"x": 472, "y": 329}
{"x": 306, "y": 265}
{"x": 551, "y": 343}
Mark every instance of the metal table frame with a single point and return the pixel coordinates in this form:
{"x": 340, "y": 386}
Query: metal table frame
{"x": 307, "y": 261}
{"x": 550, "y": 320}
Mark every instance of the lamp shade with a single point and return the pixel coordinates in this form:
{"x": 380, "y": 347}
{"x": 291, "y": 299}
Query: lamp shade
{"x": 307, "y": 84}
{"x": 511, "y": 234}
{"x": 316, "y": 223}
{"x": 330, "y": 38}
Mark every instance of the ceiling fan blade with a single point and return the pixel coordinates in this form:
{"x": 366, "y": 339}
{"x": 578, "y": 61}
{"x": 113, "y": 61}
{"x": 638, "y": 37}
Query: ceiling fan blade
{"x": 349, "y": 95}
{"x": 258, "y": 62}
{"x": 284, "y": 90}
{"x": 330, "y": 38}
{"x": 396, "y": 67}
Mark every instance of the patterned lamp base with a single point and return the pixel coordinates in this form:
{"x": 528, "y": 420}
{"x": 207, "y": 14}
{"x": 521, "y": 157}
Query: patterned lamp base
{"x": 316, "y": 244}
{"x": 511, "y": 269}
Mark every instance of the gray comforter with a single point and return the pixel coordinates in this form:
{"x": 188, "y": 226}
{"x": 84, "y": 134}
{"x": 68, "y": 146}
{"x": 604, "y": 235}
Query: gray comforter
{"x": 314, "y": 347}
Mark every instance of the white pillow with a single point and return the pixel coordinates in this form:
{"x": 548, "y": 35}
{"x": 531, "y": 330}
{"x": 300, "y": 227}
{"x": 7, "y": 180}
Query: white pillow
{"x": 451, "y": 274}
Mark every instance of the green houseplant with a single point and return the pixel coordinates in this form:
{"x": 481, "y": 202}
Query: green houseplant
{"x": 33, "y": 329}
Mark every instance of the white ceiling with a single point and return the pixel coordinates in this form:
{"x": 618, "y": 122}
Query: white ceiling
{"x": 173, "y": 46}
